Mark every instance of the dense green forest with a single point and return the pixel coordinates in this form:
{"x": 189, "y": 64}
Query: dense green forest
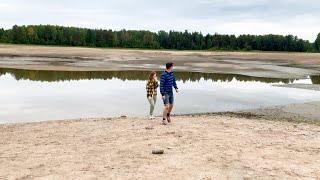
{"x": 72, "y": 36}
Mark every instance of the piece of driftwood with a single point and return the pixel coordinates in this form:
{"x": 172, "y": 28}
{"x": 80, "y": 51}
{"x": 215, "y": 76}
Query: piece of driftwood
{"x": 158, "y": 151}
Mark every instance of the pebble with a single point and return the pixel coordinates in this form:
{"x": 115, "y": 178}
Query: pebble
{"x": 149, "y": 128}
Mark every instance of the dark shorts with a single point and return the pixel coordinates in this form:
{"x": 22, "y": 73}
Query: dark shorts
{"x": 169, "y": 99}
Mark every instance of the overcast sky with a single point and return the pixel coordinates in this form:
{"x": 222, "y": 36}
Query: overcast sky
{"x": 297, "y": 17}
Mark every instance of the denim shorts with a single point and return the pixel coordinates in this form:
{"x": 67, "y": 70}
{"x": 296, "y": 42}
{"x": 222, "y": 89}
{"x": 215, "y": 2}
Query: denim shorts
{"x": 169, "y": 99}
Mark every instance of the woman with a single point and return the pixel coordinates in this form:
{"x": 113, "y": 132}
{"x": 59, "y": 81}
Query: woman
{"x": 151, "y": 87}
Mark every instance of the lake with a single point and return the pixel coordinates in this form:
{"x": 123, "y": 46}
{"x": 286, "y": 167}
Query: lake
{"x": 32, "y": 95}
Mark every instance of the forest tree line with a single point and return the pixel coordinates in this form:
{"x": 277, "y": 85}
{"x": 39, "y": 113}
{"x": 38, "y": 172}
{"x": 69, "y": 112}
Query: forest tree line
{"x": 72, "y": 36}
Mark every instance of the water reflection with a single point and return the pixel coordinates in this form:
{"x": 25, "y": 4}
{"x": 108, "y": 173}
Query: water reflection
{"x": 29, "y": 95}
{"x": 315, "y": 79}
{"x": 54, "y": 76}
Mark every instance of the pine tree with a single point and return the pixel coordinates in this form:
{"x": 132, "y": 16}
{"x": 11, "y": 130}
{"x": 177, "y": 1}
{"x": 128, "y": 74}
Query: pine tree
{"x": 317, "y": 43}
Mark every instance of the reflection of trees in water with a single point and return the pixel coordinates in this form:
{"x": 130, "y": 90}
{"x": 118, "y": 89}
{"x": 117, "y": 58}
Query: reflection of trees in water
{"x": 195, "y": 76}
{"x": 51, "y": 76}
{"x": 315, "y": 79}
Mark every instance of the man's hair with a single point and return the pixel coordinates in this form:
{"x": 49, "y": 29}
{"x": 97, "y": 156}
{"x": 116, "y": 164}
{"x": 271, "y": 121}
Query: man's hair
{"x": 169, "y": 65}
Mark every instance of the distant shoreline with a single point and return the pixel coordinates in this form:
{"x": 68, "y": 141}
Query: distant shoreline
{"x": 165, "y": 50}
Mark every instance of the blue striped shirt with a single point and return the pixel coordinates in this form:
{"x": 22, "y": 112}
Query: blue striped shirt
{"x": 167, "y": 81}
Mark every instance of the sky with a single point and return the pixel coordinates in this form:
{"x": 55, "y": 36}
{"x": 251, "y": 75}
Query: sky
{"x": 296, "y": 17}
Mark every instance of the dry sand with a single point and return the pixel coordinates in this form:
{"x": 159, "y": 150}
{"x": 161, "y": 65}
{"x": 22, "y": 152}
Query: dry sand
{"x": 196, "y": 147}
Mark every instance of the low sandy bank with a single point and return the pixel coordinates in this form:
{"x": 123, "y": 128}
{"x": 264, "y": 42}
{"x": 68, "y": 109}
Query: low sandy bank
{"x": 259, "y": 64}
{"x": 196, "y": 147}
{"x": 83, "y": 52}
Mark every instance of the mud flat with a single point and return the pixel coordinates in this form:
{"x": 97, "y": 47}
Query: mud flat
{"x": 302, "y": 112}
{"x": 195, "y": 147}
{"x": 315, "y": 87}
{"x": 259, "y": 64}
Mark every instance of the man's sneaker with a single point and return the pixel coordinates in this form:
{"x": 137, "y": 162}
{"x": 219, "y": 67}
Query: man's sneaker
{"x": 151, "y": 117}
{"x": 164, "y": 122}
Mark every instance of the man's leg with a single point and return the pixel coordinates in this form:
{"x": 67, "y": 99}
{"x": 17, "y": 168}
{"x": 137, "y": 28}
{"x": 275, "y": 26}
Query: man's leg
{"x": 171, "y": 100}
{"x": 170, "y": 108}
{"x": 165, "y": 111}
{"x": 166, "y": 108}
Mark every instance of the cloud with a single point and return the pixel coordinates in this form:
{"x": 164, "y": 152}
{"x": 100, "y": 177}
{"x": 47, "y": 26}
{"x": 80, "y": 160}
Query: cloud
{"x": 208, "y": 16}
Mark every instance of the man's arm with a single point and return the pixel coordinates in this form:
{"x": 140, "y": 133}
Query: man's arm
{"x": 174, "y": 82}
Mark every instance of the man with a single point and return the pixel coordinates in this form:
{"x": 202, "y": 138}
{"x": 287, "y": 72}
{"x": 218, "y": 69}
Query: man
{"x": 167, "y": 81}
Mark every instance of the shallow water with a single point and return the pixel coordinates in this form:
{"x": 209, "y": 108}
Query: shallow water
{"x": 29, "y": 96}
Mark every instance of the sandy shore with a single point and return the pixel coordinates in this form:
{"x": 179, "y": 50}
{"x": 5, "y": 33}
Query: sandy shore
{"x": 196, "y": 147}
{"x": 259, "y": 64}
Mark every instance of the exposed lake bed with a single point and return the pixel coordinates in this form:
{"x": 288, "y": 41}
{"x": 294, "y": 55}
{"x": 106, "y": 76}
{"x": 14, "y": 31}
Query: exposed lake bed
{"x": 258, "y": 64}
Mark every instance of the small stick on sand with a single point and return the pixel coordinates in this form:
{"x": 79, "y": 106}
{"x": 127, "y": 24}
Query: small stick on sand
{"x": 158, "y": 151}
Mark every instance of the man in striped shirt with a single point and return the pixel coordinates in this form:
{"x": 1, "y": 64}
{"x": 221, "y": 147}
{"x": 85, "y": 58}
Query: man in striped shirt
{"x": 167, "y": 81}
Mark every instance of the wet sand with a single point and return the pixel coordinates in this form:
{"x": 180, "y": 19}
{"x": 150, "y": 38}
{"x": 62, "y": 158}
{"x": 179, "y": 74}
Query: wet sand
{"x": 259, "y": 64}
{"x": 195, "y": 147}
{"x": 295, "y": 113}
{"x": 303, "y": 112}
{"x": 315, "y": 87}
